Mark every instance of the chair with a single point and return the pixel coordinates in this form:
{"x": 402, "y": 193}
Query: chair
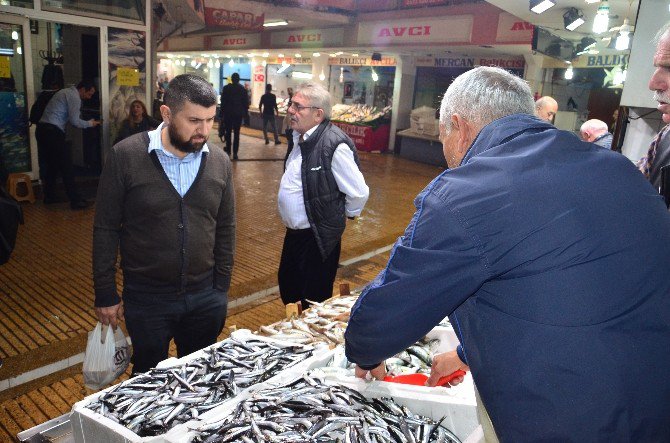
{"x": 13, "y": 182}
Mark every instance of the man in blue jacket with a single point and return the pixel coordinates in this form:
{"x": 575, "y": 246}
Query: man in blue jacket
{"x": 550, "y": 256}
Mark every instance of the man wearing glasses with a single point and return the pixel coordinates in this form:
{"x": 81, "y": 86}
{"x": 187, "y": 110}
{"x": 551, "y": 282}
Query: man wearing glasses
{"x": 321, "y": 187}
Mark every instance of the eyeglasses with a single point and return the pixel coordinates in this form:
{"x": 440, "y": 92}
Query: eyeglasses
{"x": 297, "y": 107}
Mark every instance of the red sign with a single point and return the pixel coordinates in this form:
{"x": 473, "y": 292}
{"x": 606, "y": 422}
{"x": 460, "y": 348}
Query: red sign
{"x": 367, "y": 138}
{"x": 233, "y": 19}
{"x": 259, "y": 78}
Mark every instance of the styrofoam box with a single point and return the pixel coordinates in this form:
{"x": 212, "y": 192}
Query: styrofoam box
{"x": 91, "y": 427}
{"x": 460, "y": 416}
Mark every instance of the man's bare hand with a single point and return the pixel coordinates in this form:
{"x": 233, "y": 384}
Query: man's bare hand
{"x": 377, "y": 373}
{"x": 445, "y": 364}
{"x": 110, "y": 315}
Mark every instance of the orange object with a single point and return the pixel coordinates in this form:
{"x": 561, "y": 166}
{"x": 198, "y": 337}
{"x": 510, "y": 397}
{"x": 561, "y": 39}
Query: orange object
{"x": 420, "y": 379}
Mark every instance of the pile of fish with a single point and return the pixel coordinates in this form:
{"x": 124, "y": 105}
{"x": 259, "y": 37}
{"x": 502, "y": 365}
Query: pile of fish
{"x": 418, "y": 358}
{"x": 358, "y": 113}
{"x": 308, "y": 410}
{"x": 154, "y": 402}
{"x": 322, "y": 322}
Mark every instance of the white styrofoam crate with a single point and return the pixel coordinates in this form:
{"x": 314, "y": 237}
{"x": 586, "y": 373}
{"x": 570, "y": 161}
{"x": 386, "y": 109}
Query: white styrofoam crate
{"x": 460, "y": 415}
{"x": 91, "y": 427}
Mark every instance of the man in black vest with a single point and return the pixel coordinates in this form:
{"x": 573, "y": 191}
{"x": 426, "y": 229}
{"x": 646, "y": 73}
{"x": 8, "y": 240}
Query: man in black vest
{"x": 321, "y": 187}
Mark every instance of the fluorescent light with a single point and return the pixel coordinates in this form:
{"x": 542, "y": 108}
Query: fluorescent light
{"x": 623, "y": 40}
{"x": 15, "y": 35}
{"x": 601, "y": 22}
{"x": 569, "y": 73}
{"x": 592, "y": 1}
{"x": 316, "y": 54}
{"x": 301, "y": 75}
{"x": 572, "y": 19}
{"x": 322, "y": 76}
{"x": 283, "y": 68}
{"x": 298, "y": 55}
{"x": 375, "y": 77}
{"x": 539, "y": 6}
{"x": 276, "y": 23}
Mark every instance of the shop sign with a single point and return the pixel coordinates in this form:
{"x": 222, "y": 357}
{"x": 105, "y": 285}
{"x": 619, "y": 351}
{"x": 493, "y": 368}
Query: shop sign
{"x": 411, "y": 3}
{"x": 234, "y": 19}
{"x": 361, "y": 61}
{"x": 589, "y": 61}
{"x": 290, "y": 60}
{"x": 454, "y": 28}
{"x": 308, "y": 38}
{"x": 235, "y": 41}
{"x": 513, "y": 30}
{"x": 367, "y": 138}
{"x": 471, "y": 62}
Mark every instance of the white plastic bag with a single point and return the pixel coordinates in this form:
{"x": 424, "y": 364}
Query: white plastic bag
{"x": 107, "y": 356}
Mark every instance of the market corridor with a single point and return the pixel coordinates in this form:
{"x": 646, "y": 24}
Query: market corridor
{"x": 46, "y": 295}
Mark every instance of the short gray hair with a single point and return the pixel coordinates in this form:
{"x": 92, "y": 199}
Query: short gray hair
{"x": 484, "y": 94}
{"x": 594, "y": 125}
{"x": 317, "y": 95}
{"x": 659, "y": 35}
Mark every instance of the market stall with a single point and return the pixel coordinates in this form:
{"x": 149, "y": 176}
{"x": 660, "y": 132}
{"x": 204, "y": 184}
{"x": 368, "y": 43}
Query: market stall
{"x": 368, "y": 126}
{"x": 420, "y": 142}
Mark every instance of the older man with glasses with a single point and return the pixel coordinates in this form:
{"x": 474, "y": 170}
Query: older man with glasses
{"x": 321, "y": 187}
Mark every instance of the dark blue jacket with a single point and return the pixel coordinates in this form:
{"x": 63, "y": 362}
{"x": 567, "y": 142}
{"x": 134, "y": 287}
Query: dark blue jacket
{"x": 551, "y": 257}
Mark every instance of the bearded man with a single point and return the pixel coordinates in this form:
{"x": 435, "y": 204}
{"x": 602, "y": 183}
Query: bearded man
{"x": 166, "y": 203}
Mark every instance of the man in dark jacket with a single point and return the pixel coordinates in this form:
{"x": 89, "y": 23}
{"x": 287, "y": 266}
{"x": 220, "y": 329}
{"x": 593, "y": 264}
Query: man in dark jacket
{"x": 321, "y": 186}
{"x": 234, "y": 107}
{"x": 166, "y": 203}
{"x": 549, "y": 255}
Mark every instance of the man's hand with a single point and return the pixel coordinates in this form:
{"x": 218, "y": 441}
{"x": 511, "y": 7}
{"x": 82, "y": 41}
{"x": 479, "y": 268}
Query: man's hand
{"x": 110, "y": 315}
{"x": 94, "y": 122}
{"x": 377, "y": 373}
{"x": 445, "y": 364}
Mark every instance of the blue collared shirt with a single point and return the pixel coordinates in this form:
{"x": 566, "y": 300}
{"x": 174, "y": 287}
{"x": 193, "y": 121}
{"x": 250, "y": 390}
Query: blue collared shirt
{"x": 65, "y": 106}
{"x": 180, "y": 171}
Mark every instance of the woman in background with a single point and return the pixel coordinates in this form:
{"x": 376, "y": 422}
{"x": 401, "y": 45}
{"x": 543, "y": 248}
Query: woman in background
{"x": 138, "y": 121}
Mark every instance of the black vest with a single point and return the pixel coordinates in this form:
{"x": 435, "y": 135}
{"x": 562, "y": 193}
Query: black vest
{"x": 324, "y": 202}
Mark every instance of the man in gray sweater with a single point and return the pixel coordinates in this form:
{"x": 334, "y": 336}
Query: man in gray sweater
{"x": 166, "y": 203}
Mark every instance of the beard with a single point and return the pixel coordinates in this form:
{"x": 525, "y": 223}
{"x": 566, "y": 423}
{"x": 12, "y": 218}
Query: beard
{"x": 186, "y": 146}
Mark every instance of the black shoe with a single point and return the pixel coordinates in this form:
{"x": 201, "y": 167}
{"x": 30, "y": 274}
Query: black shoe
{"x": 80, "y": 204}
{"x": 267, "y": 142}
{"x": 277, "y": 142}
{"x": 235, "y": 157}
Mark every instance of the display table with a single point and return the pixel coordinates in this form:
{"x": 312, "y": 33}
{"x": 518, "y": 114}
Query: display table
{"x": 256, "y": 121}
{"x": 420, "y": 148}
{"x": 367, "y": 138}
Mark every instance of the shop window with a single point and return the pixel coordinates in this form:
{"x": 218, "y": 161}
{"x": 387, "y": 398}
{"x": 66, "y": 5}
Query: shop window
{"x": 128, "y": 9}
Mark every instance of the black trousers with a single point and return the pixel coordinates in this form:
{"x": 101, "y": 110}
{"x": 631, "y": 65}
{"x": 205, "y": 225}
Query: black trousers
{"x": 303, "y": 274}
{"x": 54, "y": 158}
{"x": 194, "y": 320}
{"x": 232, "y": 125}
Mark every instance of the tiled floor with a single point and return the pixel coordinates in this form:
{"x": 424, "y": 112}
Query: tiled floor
{"x": 46, "y": 289}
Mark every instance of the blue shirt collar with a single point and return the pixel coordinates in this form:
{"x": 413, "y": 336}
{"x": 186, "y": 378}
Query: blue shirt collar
{"x": 155, "y": 143}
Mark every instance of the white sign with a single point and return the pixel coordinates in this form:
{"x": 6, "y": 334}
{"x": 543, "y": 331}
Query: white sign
{"x": 307, "y": 38}
{"x": 455, "y": 28}
{"x": 223, "y": 42}
{"x": 512, "y": 29}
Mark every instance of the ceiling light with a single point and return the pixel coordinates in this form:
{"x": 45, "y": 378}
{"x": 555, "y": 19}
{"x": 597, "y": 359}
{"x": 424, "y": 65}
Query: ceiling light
{"x": 332, "y": 54}
{"x": 322, "y": 76}
{"x": 572, "y": 19}
{"x": 280, "y": 55}
{"x": 298, "y": 55}
{"x": 375, "y": 77}
{"x": 266, "y": 54}
{"x": 217, "y": 64}
{"x": 15, "y": 35}
{"x": 354, "y": 55}
{"x": 592, "y": 1}
{"x": 302, "y": 75}
{"x": 539, "y": 6}
{"x": 316, "y": 54}
{"x": 193, "y": 63}
{"x": 339, "y": 53}
{"x": 231, "y": 63}
{"x": 569, "y": 73}
{"x": 275, "y": 23}
{"x": 601, "y": 22}
{"x": 623, "y": 40}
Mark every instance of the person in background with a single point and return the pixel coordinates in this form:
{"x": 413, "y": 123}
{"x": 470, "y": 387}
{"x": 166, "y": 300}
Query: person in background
{"x": 234, "y": 107}
{"x": 287, "y": 126}
{"x": 268, "y": 108}
{"x": 546, "y": 108}
{"x": 138, "y": 121}
{"x": 658, "y": 154}
{"x": 54, "y": 151}
{"x": 176, "y": 237}
{"x": 555, "y": 282}
{"x": 322, "y": 185}
{"x": 595, "y": 131}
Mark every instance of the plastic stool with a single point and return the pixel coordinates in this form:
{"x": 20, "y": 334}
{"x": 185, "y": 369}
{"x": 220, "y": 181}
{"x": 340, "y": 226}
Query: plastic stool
{"x": 13, "y": 187}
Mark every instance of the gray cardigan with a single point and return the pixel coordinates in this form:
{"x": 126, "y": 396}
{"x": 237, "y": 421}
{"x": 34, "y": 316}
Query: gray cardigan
{"x": 168, "y": 244}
